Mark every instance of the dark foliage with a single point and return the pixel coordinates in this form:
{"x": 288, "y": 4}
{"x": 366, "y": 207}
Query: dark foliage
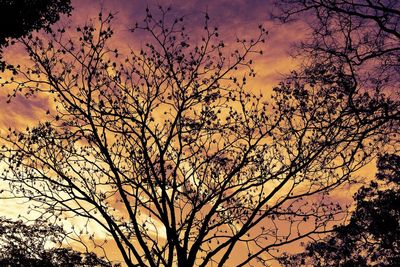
{"x": 372, "y": 237}
{"x": 20, "y": 17}
{"x": 25, "y": 245}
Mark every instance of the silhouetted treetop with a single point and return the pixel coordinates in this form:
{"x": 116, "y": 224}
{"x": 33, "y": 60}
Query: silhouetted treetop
{"x": 372, "y": 236}
{"x": 27, "y": 245}
{"x": 20, "y": 17}
{"x": 362, "y": 36}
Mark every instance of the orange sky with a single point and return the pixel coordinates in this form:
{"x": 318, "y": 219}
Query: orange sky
{"x": 233, "y": 17}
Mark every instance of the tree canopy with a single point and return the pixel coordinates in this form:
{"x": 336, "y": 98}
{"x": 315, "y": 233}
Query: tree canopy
{"x": 20, "y": 17}
{"x": 166, "y": 149}
{"x": 25, "y": 245}
{"x": 372, "y": 236}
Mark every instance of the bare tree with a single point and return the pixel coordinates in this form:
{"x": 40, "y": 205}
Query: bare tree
{"x": 362, "y": 37}
{"x": 166, "y": 150}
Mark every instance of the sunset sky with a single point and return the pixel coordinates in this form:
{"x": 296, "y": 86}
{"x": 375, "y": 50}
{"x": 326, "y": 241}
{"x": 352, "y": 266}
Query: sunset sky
{"x": 233, "y": 17}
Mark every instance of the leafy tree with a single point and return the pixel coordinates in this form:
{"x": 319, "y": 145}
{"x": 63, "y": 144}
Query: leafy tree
{"x": 25, "y": 245}
{"x": 166, "y": 149}
{"x": 372, "y": 236}
{"x": 20, "y": 17}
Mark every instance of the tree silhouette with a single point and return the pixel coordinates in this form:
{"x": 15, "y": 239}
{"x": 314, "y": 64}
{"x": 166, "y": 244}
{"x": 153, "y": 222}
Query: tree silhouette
{"x": 358, "y": 33}
{"x": 360, "y": 37}
{"x": 372, "y": 236}
{"x": 24, "y": 245}
{"x": 166, "y": 149}
{"x": 20, "y": 17}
